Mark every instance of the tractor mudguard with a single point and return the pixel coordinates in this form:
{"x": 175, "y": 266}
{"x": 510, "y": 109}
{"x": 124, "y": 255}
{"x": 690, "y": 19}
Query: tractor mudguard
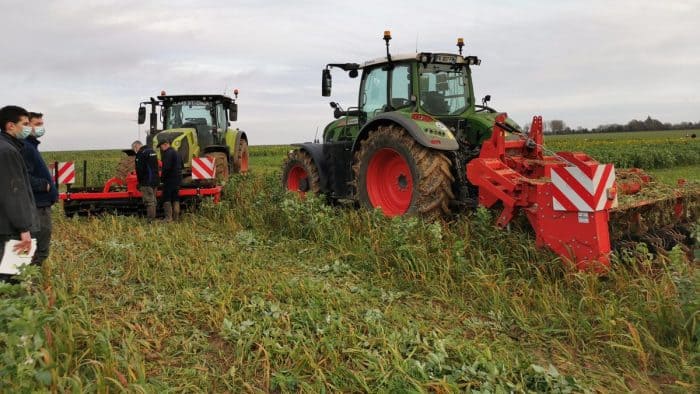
{"x": 233, "y": 138}
{"x": 316, "y": 152}
{"x": 239, "y": 135}
{"x": 423, "y": 137}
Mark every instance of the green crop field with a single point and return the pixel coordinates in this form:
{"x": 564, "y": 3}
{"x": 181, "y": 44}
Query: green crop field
{"x": 268, "y": 293}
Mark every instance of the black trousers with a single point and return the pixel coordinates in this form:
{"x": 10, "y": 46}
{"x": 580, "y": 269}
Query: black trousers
{"x": 171, "y": 192}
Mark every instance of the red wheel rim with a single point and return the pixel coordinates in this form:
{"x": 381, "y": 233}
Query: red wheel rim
{"x": 244, "y": 161}
{"x": 389, "y": 182}
{"x": 294, "y": 177}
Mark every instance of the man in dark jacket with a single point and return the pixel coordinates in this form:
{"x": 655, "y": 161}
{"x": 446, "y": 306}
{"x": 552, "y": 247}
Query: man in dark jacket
{"x": 17, "y": 208}
{"x": 147, "y": 175}
{"x": 171, "y": 176}
{"x": 43, "y": 186}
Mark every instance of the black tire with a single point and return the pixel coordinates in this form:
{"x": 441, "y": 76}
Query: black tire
{"x": 222, "y": 169}
{"x": 426, "y": 188}
{"x": 300, "y": 174}
{"x": 240, "y": 162}
{"x": 126, "y": 166}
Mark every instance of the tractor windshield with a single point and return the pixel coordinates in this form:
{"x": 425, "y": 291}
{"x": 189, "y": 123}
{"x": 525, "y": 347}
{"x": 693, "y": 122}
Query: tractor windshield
{"x": 188, "y": 112}
{"x": 444, "y": 90}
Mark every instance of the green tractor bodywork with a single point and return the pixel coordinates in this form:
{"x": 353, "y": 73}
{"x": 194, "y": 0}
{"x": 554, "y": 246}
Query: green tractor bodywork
{"x": 196, "y": 126}
{"x": 413, "y": 111}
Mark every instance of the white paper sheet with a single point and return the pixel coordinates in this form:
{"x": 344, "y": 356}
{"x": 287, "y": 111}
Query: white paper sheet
{"x": 11, "y": 261}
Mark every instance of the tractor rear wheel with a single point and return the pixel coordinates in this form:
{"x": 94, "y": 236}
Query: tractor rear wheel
{"x": 299, "y": 173}
{"x": 396, "y": 173}
{"x": 240, "y": 163}
{"x": 221, "y": 166}
{"x": 126, "y": 166}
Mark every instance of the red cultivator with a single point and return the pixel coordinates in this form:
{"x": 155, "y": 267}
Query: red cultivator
{"x": 568, "y": 197}
{"x": 123, "y": 197}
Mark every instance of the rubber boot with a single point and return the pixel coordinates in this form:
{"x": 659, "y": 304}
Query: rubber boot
{"x": 176, "y": 210}
{"x": 151, "y": 212}
{"x": 168, "y": 210}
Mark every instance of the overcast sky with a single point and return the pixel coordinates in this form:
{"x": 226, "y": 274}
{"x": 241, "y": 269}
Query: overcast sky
{"x": 87, "y": 64}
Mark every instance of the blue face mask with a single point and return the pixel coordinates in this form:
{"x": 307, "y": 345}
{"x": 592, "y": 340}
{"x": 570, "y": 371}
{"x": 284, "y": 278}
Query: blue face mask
{"x": 39, "y": 131}
{"x": 26, "y": 132}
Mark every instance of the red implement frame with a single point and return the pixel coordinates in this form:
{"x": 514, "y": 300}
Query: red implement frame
{"x": 132, "y": 191}
{"x": 566, "y": 197}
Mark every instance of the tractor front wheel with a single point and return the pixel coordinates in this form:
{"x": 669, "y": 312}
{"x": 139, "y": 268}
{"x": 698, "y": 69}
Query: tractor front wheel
{"x": 240, "y": 163}
{"x": 221, "y": 166}
{"x": 401, "y": 176}
{"x": 299, "y": 173}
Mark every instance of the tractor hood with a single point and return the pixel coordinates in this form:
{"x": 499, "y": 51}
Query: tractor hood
{"x": 181, "y": 140}
{"x": 481, "y": 125}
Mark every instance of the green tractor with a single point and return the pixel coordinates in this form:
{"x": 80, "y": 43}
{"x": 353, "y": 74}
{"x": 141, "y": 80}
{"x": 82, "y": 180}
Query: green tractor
{"x": 405, "y": 146}
{"x": 195, "y": 126}
{"x": 417, "y": 143}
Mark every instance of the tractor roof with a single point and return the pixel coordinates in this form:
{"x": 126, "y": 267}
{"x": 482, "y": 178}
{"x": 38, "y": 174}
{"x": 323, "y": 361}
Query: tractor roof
{"x": 196, "y": 97}
{"x": 444, "y": 58}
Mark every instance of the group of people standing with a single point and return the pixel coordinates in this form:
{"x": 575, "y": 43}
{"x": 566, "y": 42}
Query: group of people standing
{"x": 27, "y": 188}
{"x": 147, "y": 175}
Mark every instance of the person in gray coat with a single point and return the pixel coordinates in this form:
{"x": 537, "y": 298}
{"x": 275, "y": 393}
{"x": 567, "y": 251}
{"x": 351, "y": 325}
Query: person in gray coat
{"x": 18, "y": 217}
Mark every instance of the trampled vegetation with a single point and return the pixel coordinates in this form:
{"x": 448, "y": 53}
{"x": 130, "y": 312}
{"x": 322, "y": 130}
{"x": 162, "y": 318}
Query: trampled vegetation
{"x": 265, "y": 292}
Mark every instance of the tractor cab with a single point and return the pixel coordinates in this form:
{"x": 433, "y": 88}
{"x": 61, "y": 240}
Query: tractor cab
{"x": 430, "y": 94}
{"x": 206, "y": 114}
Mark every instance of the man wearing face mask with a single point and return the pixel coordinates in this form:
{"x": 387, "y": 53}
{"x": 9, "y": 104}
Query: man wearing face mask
{"x": 17, "y": 208}
{"x": 43, "y": 186}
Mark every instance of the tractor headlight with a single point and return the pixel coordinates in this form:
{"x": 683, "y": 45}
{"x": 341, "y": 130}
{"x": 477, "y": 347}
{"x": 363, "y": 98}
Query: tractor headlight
{"x": 447, "y": 133}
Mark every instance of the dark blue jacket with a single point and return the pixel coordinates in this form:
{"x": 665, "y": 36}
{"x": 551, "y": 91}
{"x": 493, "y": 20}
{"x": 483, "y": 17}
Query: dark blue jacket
{"x": 172, "y": 167}
{"x": 39, "y": 174}
{"x": 147, "y": 167}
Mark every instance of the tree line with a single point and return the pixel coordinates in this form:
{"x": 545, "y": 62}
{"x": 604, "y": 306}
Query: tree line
{"x": 557, "y": 126}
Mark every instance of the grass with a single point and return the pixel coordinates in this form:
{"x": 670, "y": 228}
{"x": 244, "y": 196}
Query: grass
{"x": 648, "y": 150}
{"x": 636, "y": 135}
{"x": 267, "y": 293}
{"x": 672, "y": 175}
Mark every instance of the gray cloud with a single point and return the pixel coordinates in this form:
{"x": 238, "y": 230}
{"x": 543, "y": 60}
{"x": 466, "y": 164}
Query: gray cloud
{"x": 88, "y": 64}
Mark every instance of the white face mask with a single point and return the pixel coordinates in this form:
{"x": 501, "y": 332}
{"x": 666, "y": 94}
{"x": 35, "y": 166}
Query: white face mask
{"x": 26, "y": 131}
{"x": 39, "y": 131}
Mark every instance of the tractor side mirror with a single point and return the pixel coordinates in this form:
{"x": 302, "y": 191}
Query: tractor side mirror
{"x": 142, "y": 115}
{"x": 233, "y": 112}
{"x": 486, "y": 99}
{"x": 326, "y": 81}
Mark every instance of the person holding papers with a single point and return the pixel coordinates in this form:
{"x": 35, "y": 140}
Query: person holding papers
{"x": 18, "y": 217}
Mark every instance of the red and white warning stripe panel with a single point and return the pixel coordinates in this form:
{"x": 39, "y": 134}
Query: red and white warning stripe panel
{"x": 66, "y": 172}
{"x": 203, "y": 168}
{"x": 574, "y": 190}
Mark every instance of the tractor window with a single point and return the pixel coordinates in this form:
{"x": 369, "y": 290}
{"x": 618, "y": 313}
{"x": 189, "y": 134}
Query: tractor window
{"x": 443, "y": 90}
{"x": 400, "y": 86}
{"x": 373, "y": 93}
{"x": 192, "y": 112}
{"x": 221, "y": 119}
